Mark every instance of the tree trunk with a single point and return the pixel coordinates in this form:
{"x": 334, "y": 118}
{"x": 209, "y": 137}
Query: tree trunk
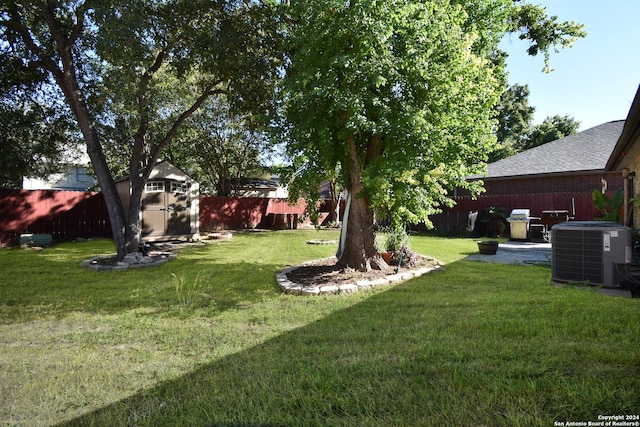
{"x": 72, "y": 93}
{"x": 103, "y": 174}
{"x": 133, "y": 231}
{"x": 63, "y": 71}
{"x": 360, "y": 250}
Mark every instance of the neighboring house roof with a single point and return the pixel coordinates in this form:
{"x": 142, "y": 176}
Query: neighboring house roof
{"x": 74, "y": 178}
{"x": 258, "y": 183}
{"x": 586, "y": 151}
{"x": 630, "y": 135}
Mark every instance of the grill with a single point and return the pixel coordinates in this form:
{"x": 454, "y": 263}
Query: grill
{"x": 519, "y": 224}
{"x": 551, "y": 218}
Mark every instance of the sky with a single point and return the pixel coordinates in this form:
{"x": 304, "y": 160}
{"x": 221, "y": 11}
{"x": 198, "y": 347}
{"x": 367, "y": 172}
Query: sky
{"x": 596, "y": 80}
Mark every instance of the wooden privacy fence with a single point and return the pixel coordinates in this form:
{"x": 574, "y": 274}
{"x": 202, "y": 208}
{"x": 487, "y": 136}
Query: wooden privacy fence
{"x": 66, "y": 215}
{"x": 229, "y": 213}
{"x": 456, "y": 218}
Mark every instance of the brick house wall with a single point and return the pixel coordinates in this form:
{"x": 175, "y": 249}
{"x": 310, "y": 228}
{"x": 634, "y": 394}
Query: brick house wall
{"x": 540, "y": 193}
{"x": 552, "y": 184}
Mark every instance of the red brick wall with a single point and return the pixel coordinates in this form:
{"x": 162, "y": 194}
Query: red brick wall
{"x": 554, "y": 184}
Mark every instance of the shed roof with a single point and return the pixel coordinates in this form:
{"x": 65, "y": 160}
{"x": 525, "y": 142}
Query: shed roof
{"x": 164, "y": 169}
{"x": 585, "y": 151}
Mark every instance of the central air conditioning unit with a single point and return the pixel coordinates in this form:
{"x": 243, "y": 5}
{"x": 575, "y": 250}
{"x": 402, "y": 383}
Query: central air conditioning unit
{"x": 595, "y": 252}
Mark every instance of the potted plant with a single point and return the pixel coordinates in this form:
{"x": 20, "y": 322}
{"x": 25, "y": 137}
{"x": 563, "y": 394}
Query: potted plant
{"x": 396, "y": 238}
{"x": 488, "y": 247}
{"x": 494, "y": 220}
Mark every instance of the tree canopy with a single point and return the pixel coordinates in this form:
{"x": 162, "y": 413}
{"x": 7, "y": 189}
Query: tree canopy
{"x": 552, "y": 128}
{"x": 37, "y": 140}
{"x": 37, "y": 133}
{"x": 221, "y": 147}
{"x": 400, "y": 97}
{"x": 514, "y": 121}
{"x": 140, "y": 68}
{"x": 516, "y": 131}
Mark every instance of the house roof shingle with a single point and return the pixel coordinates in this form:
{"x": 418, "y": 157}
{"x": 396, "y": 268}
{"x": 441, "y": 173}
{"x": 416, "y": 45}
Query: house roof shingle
{"x": 588, "y": 150}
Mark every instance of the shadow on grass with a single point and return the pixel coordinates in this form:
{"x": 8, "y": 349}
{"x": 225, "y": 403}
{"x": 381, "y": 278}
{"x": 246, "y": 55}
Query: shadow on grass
{"x": 47, "y": 283}
{"x": 502, "y": 348}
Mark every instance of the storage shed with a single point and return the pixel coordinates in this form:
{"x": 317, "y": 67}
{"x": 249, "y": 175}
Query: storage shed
{"x": 170, "y": 204}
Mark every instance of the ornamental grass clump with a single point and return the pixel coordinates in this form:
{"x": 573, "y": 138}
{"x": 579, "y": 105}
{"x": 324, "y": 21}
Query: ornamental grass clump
{"x": 396, "y": 238}
{"x": 397, "y": 243}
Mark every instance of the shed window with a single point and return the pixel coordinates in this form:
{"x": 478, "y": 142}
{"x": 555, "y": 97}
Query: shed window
{"x": 154, "y": 187}
{"x": 178, "y": 187}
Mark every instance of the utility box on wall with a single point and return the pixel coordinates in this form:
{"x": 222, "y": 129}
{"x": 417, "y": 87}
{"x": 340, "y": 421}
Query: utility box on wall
{"x": 594, "y": 252}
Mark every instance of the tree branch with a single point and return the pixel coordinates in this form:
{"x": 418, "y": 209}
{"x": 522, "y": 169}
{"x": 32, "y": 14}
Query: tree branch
{"x": 208, "y": 91}
{"x": 44, "y": 60}
{"x": 79, "y": 26}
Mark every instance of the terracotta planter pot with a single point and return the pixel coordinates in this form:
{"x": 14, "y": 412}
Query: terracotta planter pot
{"x": 488, "y": 247}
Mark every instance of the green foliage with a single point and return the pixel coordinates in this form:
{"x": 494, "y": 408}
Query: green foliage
{"x": 514, "y": 121}
{"x": 550, "y": 129}
{"x": 494, "y": 219}
{"x": 413, "y": 84}
{"x": 220, "y": 147}
{"x": 515, "y": 132}
{"x": 610, "y": 207}
{"x": 383, "y": 74}
{"x": 35, "y": 142}
{"x": 37, "y": 132}
{"x": 544, "y": 32}
{"x": 395, "y": 238}
{"x": 132, "y": 72}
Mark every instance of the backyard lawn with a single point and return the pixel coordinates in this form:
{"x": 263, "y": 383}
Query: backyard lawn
{"x": 208, "y": 339}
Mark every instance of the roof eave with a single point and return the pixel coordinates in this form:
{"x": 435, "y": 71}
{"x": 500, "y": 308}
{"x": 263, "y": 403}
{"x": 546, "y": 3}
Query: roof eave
{"x": 541, "y": 175}
{"x": 630, "y": 133}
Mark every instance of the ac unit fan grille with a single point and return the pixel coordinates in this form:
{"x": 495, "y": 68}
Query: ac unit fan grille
{"x": 577, "y": 256}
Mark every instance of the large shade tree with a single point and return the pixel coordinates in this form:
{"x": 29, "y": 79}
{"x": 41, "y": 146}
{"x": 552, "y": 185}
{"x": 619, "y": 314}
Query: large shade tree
{"x": 220, "y": 147}
{"x": 143, "y": 67}
{"x": 36, "y": 131}
{"x": 399, "y": 97}
{"x": 37, "y": 139}
{"x": 515, "y": 131}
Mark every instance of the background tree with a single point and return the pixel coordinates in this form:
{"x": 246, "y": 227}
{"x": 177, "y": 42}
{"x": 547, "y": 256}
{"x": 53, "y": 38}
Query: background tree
{"x": 221, "y": 147}
{"x": 550, "y": 129}
{"x": 36, "y": 132}
{"x": 36, "y": 141}
{"x": 515, "y": 131}
{"x": 514, "y": 121}
{"x": 401, "y": 96}
{"x": 123, "y": 63}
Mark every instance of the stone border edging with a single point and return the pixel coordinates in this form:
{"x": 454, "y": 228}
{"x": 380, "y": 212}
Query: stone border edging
{"x": 293, "y": 288}
{"x": 93, "y": 264}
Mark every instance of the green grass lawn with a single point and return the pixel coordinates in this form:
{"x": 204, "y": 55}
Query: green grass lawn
{"x": 208, "y": 339}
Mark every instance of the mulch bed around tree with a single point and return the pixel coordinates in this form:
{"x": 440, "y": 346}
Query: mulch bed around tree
{"x": 325, "y": 272}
